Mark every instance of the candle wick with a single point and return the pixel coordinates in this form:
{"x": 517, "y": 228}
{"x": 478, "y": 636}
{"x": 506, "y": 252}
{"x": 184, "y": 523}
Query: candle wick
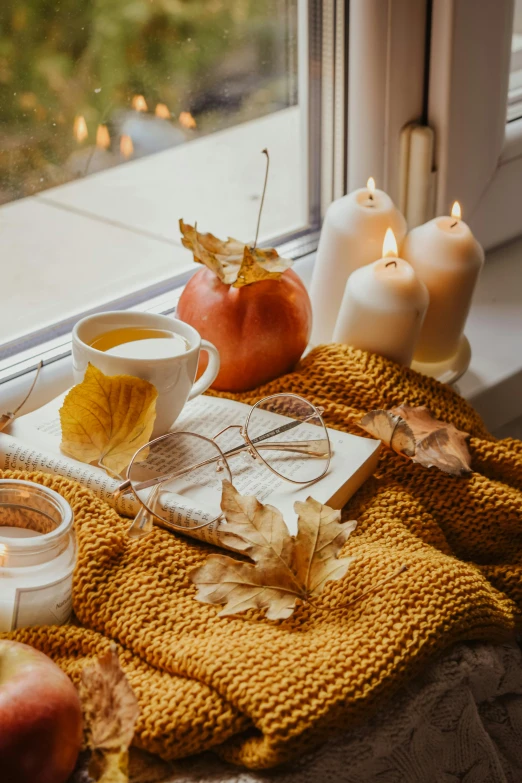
{"x": 454, "y": 224}
{"x": 370, "y": 196}
{"x": 390, "y": 263}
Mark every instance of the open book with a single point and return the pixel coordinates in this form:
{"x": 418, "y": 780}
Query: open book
{"x": 32, "y": 442}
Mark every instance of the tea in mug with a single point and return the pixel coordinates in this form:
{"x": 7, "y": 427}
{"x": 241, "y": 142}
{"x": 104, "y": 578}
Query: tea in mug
{"x": 137, "y": 342}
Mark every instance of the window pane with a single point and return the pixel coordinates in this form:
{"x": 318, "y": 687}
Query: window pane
{"x": 515, "y": 79}
{"x": 117, "y": 118}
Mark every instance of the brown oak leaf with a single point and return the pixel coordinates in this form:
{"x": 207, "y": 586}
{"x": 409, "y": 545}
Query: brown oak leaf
{"x": 234, "y": 262}
{"x": 285, "y": 568}
{"x": 415, "y": 433}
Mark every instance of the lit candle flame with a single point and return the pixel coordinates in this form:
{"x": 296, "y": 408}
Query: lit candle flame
{"x": 389, "y": 246}
{"x": 456, "y": 211}
{"x": 3, "y": 554}
{"x": 126, "y": 146}
{"x": 187, "y": 120}
{"x": 162, "y": 111}
{"x": 139, "y": 103}
{"x": 371, "y": 185}
{"x": 103, "y": 139}
{"x": 80, "y": 129}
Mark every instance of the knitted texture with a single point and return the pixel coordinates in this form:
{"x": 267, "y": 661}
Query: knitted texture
{"x": 258, "y": 691}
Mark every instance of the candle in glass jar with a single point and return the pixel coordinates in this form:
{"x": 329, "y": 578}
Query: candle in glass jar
{"x": 37, "y": 555}
{"x": 447, "y": 258}
{"x": 352, "y": 236}
{"x": 383, "y": 307}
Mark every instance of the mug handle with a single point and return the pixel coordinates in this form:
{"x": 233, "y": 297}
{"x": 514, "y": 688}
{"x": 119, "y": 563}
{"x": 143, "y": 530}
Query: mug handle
{"x": 210, "y": 374}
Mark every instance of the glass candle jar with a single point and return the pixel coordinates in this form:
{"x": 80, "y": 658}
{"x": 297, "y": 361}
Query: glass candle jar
{"x": 37, "y": 556}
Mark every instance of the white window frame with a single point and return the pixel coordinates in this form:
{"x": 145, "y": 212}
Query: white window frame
{"x": 478, "y": 156}
{"x": 387, "y": 52}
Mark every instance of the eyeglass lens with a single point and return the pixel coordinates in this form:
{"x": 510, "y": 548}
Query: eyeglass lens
{"x": 298, "y": 450}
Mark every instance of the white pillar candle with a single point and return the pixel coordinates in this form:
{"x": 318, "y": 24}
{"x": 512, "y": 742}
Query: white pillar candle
{"x": 383, "y": 307}
{"x": 448, "y": 259}
{"x": 352, "y": 236}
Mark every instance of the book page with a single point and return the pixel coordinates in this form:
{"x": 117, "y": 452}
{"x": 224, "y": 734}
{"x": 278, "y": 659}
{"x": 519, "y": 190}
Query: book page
{"x": 33, "y": 443}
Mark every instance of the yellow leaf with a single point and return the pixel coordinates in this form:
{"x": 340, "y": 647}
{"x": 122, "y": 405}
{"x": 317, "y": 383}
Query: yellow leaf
{"x": 234, "y": 262}
{"x": 106, "y": 419}
{"x": 285, "y": 568}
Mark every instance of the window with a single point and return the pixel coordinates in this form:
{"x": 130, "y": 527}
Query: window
{"x": 117, "y": 119}
{"x": 515, "y": 76}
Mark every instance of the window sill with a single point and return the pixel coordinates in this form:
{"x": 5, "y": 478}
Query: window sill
{"x": 493, "y": 383}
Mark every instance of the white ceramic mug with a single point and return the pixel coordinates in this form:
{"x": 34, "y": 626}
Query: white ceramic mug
{"x": 173, "y": 376}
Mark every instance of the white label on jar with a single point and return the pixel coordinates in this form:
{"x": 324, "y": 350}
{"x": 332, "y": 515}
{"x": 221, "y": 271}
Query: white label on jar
{"x": 49, "y": 605}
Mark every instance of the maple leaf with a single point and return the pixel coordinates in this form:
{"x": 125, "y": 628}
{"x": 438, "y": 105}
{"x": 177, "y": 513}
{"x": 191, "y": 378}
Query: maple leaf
{"x": 285, "y": 568}
{"x": 110, "y": 711}
{"x": 234, "y": 262}
{"x": 106, "y": 419}
{"x": 415, "y": 433}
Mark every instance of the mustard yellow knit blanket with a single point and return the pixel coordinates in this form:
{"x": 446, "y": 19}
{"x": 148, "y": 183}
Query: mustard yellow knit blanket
{"x": 261, "y": 692}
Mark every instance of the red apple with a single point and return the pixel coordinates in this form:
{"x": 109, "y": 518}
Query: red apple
{"x": 260, "y": 330}
{"x": 40, "y": 717}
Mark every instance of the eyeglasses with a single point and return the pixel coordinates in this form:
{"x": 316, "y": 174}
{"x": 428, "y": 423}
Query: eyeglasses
{"x": 177, "y": 478}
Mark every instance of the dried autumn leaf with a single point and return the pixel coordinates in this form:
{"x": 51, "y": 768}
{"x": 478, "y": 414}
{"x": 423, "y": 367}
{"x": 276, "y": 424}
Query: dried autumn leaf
{"x": 439, "y": 444}
{"x": 232, "y": 261}
{"x": 106, "y": 419}
{"x": 415, "y": 433}
{"x": 242, "y": 586}
{"x": 254, "y": 529}
{"x": 320, "y": 537}
{"x": 285, "y": 568}
{"x": 259, "y": 264}
{"x": 110, "y": 711}
{"x": 391, "y": 429}
{"x": 109, "y": 704}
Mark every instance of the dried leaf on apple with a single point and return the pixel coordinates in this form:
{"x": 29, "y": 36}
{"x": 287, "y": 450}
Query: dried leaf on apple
{"x": 285, "y": 569}
{"x": 106, "y": 419}
{"x": 234, "y": 262}
{"x": 415, "y": 433}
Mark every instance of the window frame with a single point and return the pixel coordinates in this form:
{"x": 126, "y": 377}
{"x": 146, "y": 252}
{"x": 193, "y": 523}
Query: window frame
{"x": 387, "y": 66}
{"x": 478, "y": 155}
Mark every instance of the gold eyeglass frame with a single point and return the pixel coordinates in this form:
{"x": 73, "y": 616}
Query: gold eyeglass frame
{"x": 251, "y": 446}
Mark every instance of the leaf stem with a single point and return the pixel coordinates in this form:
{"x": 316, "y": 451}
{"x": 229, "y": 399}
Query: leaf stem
{"x": 263, "y": 152}
{"x": 38, "y": 368}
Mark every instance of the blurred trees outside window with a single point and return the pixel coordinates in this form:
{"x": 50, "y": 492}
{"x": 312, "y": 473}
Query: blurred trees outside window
{"x": 89, "y": 84}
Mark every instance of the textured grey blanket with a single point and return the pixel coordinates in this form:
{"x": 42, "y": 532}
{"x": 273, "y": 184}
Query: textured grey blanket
{"x": 460, "y": 722}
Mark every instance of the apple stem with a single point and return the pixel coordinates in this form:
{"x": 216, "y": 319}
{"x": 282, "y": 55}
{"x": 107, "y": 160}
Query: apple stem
{"x": 263, "y": 152}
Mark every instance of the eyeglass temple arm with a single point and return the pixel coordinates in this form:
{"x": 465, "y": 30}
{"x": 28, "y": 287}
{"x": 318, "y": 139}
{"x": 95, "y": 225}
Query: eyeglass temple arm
{"x": 299, "y": 446}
